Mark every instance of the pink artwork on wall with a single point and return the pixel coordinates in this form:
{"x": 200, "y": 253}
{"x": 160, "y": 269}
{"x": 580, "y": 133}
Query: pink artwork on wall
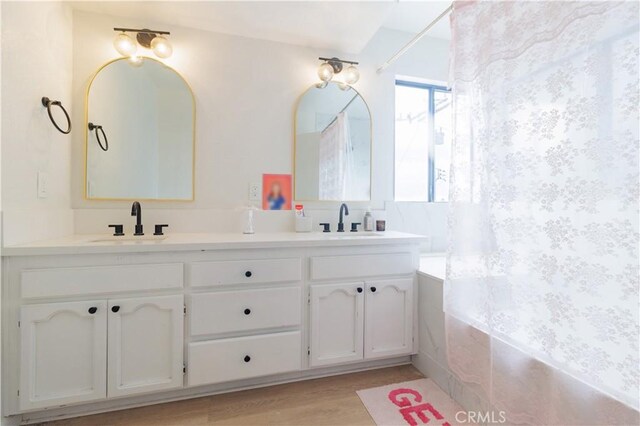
{"x": 276, "y": 192}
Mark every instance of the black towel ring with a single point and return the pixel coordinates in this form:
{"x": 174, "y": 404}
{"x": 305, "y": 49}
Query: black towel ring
{"x": 95, "y": 128}
{"x": 46, "y": 102}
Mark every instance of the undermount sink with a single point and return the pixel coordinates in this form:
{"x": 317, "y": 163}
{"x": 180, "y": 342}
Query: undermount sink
{"x": 132, "y": 238}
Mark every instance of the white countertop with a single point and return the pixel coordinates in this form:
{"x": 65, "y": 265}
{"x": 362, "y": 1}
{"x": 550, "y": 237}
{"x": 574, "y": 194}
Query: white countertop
{"x": 88, "y": 244}
{"x": 433, "y": 265}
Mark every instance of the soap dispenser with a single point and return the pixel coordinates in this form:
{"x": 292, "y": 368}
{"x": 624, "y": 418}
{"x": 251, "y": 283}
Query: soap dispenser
{"x": 368, "y": 220}
{"x": 249, "y": 220}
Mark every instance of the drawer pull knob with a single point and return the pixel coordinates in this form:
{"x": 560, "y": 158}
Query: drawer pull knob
{"x": 248, "y": 274}
{"x": 373, "y": 289}
{"x": 247, "y": 311}
{"x": 359, "y": 289}
{"x": 115, "y": 308}
{"x": 93, "y": 310}
{"x": 247, "y": 358}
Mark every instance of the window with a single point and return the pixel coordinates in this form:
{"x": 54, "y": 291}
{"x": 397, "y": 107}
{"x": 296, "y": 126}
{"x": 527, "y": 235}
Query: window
{"x": 422, "y": 142}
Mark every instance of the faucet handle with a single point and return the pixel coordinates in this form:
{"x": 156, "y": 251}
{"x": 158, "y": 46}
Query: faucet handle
{"x": 118, "y": 230}
{"x": 159, "y": 229}
{"x": 354, "y": 226}
{"x": 326, "y": 227}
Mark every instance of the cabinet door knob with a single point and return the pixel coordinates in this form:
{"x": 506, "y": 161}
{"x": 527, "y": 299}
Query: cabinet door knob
{"x": 247, "y": 311}
{"x": 93, "y": 310}
{"x": 115, "y": 308}
{"x": 247, "y": 358}
{"x": 248, "y": 274}
{"x": 373, "y": 289}
{"x": 359, "y": 289}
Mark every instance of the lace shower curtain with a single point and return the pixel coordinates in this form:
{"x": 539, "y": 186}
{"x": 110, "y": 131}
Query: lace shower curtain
{"x": 336, "y": 160}
{"x": 541, "y": 296}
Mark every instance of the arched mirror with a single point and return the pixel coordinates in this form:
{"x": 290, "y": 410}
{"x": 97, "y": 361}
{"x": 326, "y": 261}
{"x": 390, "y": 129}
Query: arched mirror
{"x": 332, "y": 145}
{"x": 140, "y": 135}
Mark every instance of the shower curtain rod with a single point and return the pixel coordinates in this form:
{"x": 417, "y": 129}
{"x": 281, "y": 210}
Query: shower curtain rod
{"x": 414, "y": 40}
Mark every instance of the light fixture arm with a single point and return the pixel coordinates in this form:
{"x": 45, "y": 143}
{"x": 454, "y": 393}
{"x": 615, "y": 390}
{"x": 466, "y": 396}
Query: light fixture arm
{"x": 339, "y": 60}
{"x": 144, "y": 30}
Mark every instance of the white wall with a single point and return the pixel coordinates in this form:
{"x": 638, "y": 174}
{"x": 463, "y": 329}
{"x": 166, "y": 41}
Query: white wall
{"x": 246, "y": 92}
{"x": 36, "y": 62}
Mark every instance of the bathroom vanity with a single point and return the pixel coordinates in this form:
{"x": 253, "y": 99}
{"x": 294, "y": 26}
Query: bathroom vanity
{"x": 90, "y": 320}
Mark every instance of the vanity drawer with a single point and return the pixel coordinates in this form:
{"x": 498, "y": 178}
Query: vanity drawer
{"x": 365, "y": 265}
{"x": 205, "y": 274}
{"x": 55, "y": 282}
{"x": 243, "y": 310}
{"x": 243, "y": 357}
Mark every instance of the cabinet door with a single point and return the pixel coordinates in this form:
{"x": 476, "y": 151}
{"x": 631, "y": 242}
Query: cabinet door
{"x": 389, "y": 318}
{"x": 64, "y": 353}
{"x": 145, "y": 344}
{"x": 336, "y": 323}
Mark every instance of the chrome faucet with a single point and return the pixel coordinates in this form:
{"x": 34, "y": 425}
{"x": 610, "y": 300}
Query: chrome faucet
{"x": 136, "y": 210}
{"x": 343, "y": 209}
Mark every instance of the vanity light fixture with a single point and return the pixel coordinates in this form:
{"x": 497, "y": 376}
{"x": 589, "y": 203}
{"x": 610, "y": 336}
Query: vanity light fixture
{"x": 150, "y": 39}
{"x": 332, "y": 66}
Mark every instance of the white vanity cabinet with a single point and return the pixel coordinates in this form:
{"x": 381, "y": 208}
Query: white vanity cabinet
{"x": 247, "y": 321}
{"x": 337, "y": 323}
{"x": 122, "y": 326}
{"x": 64, "y": 353}
{"x": 388, "y": 325}
{"x": 82, "y": 351}
{"x": 145, "y": 344}
{"x": 362, "y": 320}
{"x": 368, "y": 319}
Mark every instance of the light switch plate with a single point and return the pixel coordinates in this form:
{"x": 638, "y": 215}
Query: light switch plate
{"x": 254, "y": 191}
{"x": 43, "y": 185}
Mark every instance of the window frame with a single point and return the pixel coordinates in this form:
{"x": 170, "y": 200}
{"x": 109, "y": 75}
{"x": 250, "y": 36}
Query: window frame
{"x": 431, "y": 88}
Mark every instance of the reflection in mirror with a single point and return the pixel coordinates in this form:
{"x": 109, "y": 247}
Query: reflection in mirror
{"x": 146, "y": 112}
{"x": 332, "y": 145}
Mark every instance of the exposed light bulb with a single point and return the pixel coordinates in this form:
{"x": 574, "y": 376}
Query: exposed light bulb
{"x": 325, "y": 72}
{"x": 161, "y": 47}
{"x": 125, "y": 45}
{"x": 351, "y": 75}
{"x": 344, "y": 86}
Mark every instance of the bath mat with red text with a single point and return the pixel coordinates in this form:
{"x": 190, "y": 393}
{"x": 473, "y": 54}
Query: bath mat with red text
{"x": 411, "y": 403}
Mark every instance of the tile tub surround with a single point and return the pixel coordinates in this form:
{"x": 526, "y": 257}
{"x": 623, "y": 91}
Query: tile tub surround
{"x": 587, "y": 408}
{"x": 433, "y": 265}
{"x": 422, "y": 218}
{"x": 431, "y": 359}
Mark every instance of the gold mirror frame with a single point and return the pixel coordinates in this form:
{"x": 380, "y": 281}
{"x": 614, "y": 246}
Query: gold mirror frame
{"x": 295, "y": 142}
{"x": 86, "y": 137}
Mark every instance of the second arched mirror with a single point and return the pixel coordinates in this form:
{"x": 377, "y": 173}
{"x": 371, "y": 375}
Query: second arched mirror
{"x": 332, "y": 145}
